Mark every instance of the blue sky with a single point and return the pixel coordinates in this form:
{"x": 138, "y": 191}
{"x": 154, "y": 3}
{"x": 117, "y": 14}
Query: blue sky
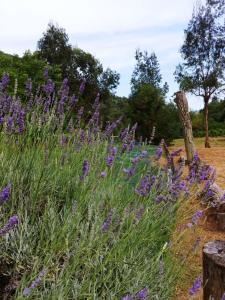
{"x": 109, "y": 29}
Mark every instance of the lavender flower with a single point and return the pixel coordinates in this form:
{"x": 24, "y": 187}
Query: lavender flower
{"x": 144, "y": 153}
{"x": 160, "y": 198}
{"x": 182, "y": 185}
{"x": 145, "y": 186}
{"x": 80, "y": 113}
{"x": 72, "y": 101}
{"x": 110, "y": 127}
{"x": 136, "y": 159}
{"x": 124, "y": 133}
{"x": 176, "y": 152}
{"x": 4, "y": 82}
{"x": 196, "y": 216}
{"x": 223, "y": 297}
{"x": 96, "y": 103}
{"x": 107, "y": 222}
{"x": 4, "y": 194}
{"x": 45, "y": 74}
{"x": 12, "y": 222}
{"x": 142, "y": 294}
{"x": 34, "y": 283}
{"x": 129, "y": 172}
{"x": 196, "y": 286}
{"x": 196, "y": 157}
{"x": 63, "y": 140}
{"x": 222, "y": 199}
{"x": 28, "y": 88}
{"x": 48, "y": 88}
{"x": 82, "y": 86}
{"x": 139, "y": 213}
{"x": 109, "y": 160}
{"x": 85, "y": 169}
{"x": 113, "y": 151}
{"x": 158, "y": 153}
{"x": 103, "y": 174}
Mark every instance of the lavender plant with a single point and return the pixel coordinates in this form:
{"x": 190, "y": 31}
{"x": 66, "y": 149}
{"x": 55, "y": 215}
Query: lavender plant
{"x": 95, "y": 251}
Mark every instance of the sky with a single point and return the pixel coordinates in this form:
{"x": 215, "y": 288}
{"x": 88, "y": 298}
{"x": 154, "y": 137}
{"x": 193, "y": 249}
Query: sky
{"x": 111, "y": 30}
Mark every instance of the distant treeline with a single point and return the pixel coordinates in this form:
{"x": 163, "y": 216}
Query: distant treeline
{"x": 146, "y": 104}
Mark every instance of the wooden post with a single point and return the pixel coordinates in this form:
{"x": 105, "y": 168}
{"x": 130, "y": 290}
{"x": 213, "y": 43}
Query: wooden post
{"x": 214, "y": 270}
{"x": 182, "y": 104}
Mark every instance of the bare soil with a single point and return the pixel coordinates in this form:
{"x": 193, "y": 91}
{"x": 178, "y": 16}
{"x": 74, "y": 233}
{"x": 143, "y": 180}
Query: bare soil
{"x": 189, "y": 249}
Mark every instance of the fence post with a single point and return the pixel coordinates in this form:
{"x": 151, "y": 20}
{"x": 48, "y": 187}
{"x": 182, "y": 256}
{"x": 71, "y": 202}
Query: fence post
{"x": 182, "y": 104}
{"x": 214, "y": 270}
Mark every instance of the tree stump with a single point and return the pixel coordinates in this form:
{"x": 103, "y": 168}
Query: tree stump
{"x": 214, "y": 270}
{"x": 182, "y": 104}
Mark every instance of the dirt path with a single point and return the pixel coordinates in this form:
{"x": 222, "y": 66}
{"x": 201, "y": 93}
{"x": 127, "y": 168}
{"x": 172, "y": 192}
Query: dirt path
{"x": 200, "y": 234}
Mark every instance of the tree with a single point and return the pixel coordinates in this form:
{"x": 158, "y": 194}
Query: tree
{"x": 147, "y": 99}
{"x": 203, "y": 70}
{"x": 55, "y": 48}
{"x": 148, "y": 109}
{"x": 147, "y": 71}
{"x": 25, "y": 67}
{"x": 84, "y": 66}
{"x": 77, "y": 66}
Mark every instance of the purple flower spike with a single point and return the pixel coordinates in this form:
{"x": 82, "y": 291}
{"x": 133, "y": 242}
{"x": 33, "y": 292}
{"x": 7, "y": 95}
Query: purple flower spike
{"x": 139, "y": 213}
{"x": 223, "y": 297}
{"x": 12, "y": 222}
{"x": 107, "y": 222}
{"x": 45, "y": 74}
{"x": 196, "y": 286}
{"x": 26, "y": 292}
{"x": 4, "y": 194}
{"x": 109, "y": 161}
{"x": 127, "y": 297}
{"x": 34, "y": 283}
{"x": 129, "y": 172}
{"x": 222, "y": 199}
{"x": 82, "y": 87}
{"x": 4, "y": 82}
{"x": 142, "y": 294}
{"x": 85, "y": 169}
{"x": 103, "y": 174}
{"x": 158, "y": 153}
{"x": 197, "y": 216}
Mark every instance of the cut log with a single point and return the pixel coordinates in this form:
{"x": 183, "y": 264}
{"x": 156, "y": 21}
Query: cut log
{"x": 214, "y": 270}
{"x": 182, "y": 104}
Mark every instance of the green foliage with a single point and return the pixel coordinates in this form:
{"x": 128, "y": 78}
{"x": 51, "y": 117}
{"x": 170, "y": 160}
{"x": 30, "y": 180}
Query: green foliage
{"x": 78, "y": 65}
{"x": 216, "y": 120}
{"x": 25, "y": 67}
{"x": 147, "y": 71}
{"x": 54, "y": 47}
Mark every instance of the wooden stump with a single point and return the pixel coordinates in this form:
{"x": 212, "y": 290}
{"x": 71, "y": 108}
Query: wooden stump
{"x": 221, "y": 221}
{"x": 182, "y": 104}
{"x": 214, "y": 270}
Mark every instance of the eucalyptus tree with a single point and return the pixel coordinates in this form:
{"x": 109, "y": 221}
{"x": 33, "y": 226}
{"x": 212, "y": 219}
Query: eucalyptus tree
{"x": 202, "y": 72}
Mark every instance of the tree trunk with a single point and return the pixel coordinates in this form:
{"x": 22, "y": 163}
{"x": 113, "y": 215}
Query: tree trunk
{"x": 206, "y": 125}
{"x": 214, "y": 270}
{"x": 182, "y": 105}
